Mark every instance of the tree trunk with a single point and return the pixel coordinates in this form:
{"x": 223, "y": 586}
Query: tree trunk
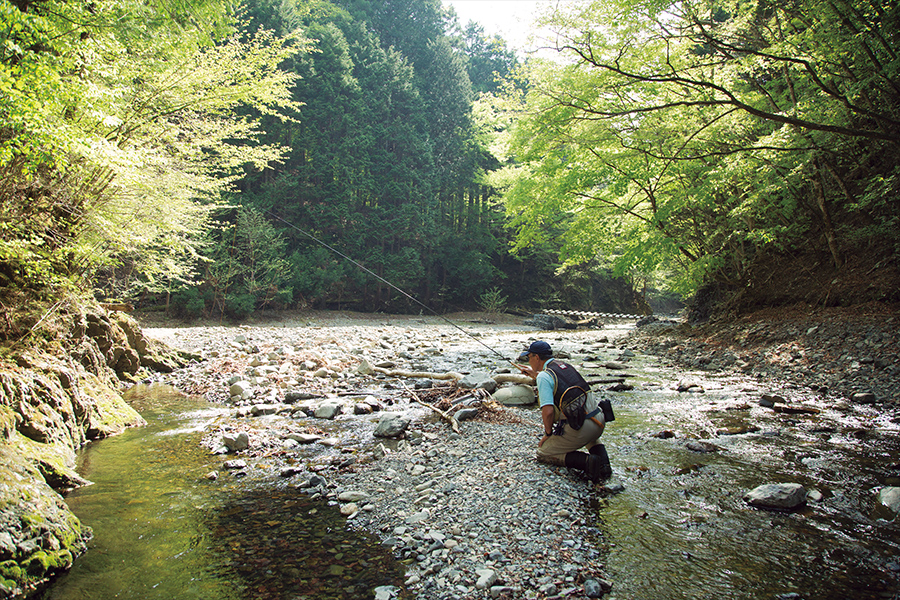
{"x": 819, "y": 188}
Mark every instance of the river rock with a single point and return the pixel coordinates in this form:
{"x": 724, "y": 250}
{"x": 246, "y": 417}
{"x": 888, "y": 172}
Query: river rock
{"x": 365, "y": 367}
{"x": 615, "y": 366}
{"x": 777, "y": 495}
{"x": 391, "y": 425}
{"x": 515, "y": 395}
{"x": 889, "y": 497}
{"x": 864, "y": 398}
{"x": 327, "y": 410}
{"x": 486, "y": 578}
{"x": 465, "y": 414}
{"x": 475, "y": 381}
{"x": 242, "y": 389}
{"x": 303, "y": 438}
{"x": 236, "y": 442}
{"x": 362, "y": 408}
{"x": 689, "y": 384}
{"x": 259, "y": 410}
{"x": 294, "y": 396}
{"x": 701, "y": 446}
{"x": 386, "y": 592}
{"x": 352, "y": 496}
{"x": 592, "y": 588}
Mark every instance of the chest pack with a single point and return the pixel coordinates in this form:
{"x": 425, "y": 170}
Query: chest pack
{"x": 570, "y": 393}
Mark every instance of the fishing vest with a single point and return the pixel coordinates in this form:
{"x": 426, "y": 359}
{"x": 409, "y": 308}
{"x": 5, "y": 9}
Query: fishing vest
{"x": 569, "y": 392}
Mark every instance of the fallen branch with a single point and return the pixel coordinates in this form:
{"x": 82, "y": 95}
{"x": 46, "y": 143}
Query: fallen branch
{"x": 454, "y": 424}
{"x": 513, "y": 378}
{"x": 417, "y": 374}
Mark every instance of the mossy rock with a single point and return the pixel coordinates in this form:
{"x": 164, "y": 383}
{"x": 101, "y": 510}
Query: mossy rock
{"x": 109, "y": 414}
{"x": 41, "y": 536}
{"x": 56, "y": 462}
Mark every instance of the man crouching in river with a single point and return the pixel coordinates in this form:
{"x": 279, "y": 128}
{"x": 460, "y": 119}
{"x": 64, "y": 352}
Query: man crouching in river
{"x": 569, "y": 414}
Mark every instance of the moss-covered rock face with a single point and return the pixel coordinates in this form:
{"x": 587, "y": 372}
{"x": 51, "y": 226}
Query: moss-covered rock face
{"x": 51, "y": 402}
{"x": 39, "y": 535}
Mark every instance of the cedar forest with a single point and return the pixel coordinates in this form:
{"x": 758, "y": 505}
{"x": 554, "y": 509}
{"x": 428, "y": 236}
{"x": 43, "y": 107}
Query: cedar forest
{"x": 199, "y": 155}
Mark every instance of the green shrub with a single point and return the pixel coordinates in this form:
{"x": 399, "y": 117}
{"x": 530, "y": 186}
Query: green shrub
{"x": 492, "y": 301}
{"x": 239, "y": 306}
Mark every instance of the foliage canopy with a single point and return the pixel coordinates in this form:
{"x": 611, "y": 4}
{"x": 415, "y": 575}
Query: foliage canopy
{"x": 711, "y": 134}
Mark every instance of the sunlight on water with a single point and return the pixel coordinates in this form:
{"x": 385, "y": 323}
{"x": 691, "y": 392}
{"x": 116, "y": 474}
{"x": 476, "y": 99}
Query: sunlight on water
{"x": 681, "y": 530}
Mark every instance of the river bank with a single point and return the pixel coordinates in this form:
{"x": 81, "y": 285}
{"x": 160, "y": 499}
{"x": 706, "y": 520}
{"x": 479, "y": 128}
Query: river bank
{"x": 472, "y": 514}
{"x": 847, "y": 353}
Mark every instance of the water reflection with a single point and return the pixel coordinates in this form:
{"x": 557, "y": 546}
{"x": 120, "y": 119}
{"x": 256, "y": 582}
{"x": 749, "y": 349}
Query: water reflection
{"x": 162, "y": 530}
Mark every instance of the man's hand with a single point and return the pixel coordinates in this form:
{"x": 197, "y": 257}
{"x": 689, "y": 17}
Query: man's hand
{"x": 527, "y": 370}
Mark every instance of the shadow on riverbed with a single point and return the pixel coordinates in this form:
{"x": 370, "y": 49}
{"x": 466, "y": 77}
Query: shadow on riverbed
{"x": 283, "y": 545}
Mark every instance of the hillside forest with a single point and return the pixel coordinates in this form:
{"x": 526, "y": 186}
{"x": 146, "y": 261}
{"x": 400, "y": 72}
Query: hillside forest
{"x": 214, "y": 159}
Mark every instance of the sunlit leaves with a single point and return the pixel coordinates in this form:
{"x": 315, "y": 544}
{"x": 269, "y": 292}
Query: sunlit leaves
{"x": 132, "y": 115}
{"x": 705, "y": 134}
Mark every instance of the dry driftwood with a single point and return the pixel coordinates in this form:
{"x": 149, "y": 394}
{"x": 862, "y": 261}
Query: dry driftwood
{"x": 454, "y": 424}
{"x": 519, "y": 378}
{"x": 417, "y": 374}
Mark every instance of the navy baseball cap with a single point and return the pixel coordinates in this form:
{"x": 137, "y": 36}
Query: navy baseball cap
{"x": 539, "y": 347}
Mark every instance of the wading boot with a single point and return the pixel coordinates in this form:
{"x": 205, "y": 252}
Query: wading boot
{"x": 590, "y": 464}
{"x": 599, "y": 450}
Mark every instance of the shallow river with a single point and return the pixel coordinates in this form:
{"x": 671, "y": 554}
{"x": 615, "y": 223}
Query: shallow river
{"x": 161, "y": 532}
{"x": 679, "y": 530}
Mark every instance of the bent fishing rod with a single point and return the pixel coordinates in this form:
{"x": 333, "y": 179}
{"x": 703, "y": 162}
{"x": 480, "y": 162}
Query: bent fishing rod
{"x": 388, "y": 283}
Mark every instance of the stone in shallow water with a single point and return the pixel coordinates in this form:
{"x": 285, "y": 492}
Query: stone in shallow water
{"x": 327, "y": 410}
{"x": 777, "y": 495}
{"x": 391, "y": 425}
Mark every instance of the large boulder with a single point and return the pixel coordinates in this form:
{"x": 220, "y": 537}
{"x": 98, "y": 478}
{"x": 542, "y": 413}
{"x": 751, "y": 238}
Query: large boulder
{"x": 515, "y": 395}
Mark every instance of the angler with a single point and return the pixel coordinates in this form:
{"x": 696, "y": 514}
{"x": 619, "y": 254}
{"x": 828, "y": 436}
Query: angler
{"x": 571, "y": 416}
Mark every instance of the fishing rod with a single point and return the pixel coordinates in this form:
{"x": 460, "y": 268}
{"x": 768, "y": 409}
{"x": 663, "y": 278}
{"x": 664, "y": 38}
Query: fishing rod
{"x": 385, "y": 281}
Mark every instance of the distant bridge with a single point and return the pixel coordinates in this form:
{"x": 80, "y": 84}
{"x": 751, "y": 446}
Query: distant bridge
{"x": 581, "y": 314}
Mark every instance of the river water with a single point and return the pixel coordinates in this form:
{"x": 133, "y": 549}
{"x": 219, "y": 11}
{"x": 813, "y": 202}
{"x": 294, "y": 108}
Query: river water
{"x": 679, "y": 529}
{"x": 163, "y": 531}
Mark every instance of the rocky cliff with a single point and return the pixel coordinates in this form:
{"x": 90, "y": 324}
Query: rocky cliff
{"x": 54, "y": 398}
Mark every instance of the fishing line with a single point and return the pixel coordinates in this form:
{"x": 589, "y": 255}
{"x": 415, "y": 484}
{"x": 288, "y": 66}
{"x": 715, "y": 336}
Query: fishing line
{"x": 385, "y": 281}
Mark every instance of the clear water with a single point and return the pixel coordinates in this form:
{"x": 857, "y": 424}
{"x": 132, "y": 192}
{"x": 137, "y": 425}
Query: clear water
{"x": 681, "y": 529}
{"x": 163, "y": 531}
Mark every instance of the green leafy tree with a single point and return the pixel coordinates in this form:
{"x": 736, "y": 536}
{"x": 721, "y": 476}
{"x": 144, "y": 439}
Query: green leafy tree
{"x": 120, "y": 118}
{"x": 710, "y": 134}
{"x": 247, "y": 269}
